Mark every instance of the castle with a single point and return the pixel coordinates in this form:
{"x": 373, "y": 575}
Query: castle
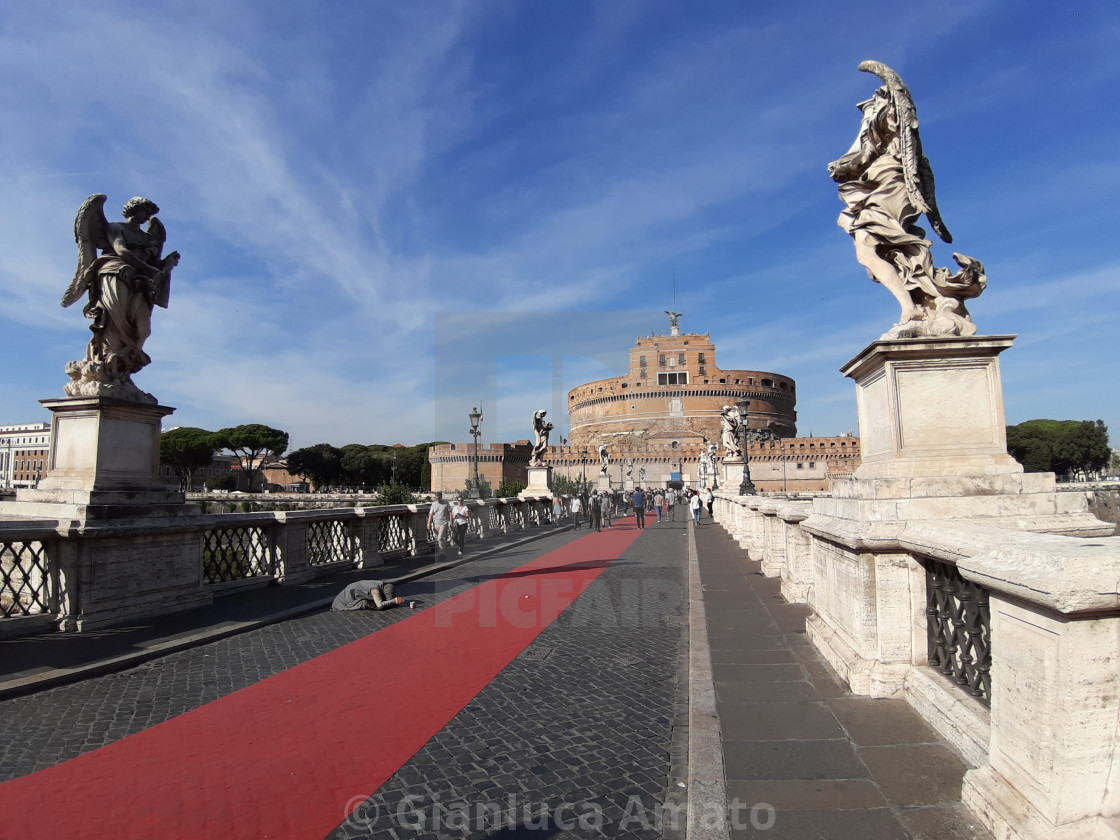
{"x": 657, "y": 420}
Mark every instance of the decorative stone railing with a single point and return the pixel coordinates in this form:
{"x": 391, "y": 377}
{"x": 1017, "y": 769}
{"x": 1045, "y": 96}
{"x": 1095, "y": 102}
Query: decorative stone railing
{"x": 1006, "y": 642}
{"x": 56, "y": 575}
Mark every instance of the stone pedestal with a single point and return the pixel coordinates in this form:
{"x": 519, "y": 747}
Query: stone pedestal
{"x": 104, "y": 464}
{"x": 931, "y": 407}
{"x": 604, "y": 482}
{"x": 933, "y": 440}
{"x": 133, "y": 551}
{"x": 628, "y": 484}
{"x": 540, "y": 482}
{"x": 934, "y": 443}
{"x": 732, "y": 475}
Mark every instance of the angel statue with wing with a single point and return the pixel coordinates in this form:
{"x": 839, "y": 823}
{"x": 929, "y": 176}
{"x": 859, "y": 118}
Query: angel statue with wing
{"x": 130, "y": 276}
{"x": 887, "y": 184}
{"x": 541, "y": 430}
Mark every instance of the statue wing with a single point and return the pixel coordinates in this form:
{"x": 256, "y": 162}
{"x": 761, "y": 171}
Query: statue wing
{"x": 915, "y": 165}
{"x": 158, "y": 232}
{"x": 91, "y": 232}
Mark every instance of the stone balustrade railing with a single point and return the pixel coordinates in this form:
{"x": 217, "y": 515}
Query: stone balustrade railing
{"x": 57, "y": 575}
{"x": 1006, "y": 642}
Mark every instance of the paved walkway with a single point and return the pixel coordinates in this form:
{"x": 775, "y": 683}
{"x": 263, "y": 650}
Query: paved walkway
{"x": 804, "y": 758}
{"x": 587, "y": 727}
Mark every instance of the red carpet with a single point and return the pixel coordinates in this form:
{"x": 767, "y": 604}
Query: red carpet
{"x": 293, "y": 755}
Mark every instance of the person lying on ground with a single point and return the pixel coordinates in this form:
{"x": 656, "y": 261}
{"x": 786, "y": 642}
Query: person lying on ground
{"x": 367, "y": 595}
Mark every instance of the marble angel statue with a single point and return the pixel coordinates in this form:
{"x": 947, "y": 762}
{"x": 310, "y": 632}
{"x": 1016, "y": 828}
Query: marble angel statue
{"x": 541, "y": 430}
{"x": 729, "y": 437}
{"x": 887, "y": 184}
{"x": 124, "y": 282}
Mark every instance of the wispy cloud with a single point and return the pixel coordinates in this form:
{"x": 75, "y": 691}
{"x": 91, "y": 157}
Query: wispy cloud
{"x": 339, "y": 183}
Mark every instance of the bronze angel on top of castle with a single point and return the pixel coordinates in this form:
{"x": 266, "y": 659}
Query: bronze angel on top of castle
{"x": 123, "y": 282}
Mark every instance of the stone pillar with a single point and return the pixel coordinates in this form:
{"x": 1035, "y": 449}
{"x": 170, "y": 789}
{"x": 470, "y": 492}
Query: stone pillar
{"x": 104, "y": 464}
{"x": 732, "y": 475}
{"x": 797, "y": 574}
{"x": 367, "y": 536}
{"x": 290, "y": 547}
{"x": 540, "y": 482}
{"x": 1052, "y": 770}
{"x": 418, "y": 532}
{"x": 773, "y": 538}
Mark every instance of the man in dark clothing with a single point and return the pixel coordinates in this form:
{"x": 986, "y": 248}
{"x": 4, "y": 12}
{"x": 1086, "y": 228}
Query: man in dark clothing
{"x": 367, "y": 595}
{"x": 640, "y": 508}
{"x": 595, "y": 508}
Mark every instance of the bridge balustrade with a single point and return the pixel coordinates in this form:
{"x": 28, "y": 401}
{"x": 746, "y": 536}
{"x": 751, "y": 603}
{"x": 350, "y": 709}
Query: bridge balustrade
{"x": 47, "y": 567}
{"x": 1003, "y": 640}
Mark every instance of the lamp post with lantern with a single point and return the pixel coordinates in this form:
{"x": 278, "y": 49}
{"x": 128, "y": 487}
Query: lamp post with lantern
{"x": 476, "y": 432}
{"x": 746, "y": 487}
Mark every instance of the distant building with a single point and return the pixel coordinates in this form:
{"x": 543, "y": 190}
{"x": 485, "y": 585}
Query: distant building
{"x": 453, "y": 463}
{"x": 674, "y": 392}
{"x": 657, "y": 420}
{"x": 25, "y": 450}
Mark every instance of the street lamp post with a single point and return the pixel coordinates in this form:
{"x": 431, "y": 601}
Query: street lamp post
{"x": 476, "y": 420}
{"x": 746, "y": 487}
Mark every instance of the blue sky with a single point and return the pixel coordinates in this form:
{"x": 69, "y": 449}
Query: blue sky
{"x": 389, "y": 212}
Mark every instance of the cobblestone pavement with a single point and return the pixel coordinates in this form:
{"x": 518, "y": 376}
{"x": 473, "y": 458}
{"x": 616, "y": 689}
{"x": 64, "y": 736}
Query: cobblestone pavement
{"x": 580, "y": 726}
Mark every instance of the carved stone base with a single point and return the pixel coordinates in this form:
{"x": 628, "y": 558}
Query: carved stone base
{"x": 931, "y": 407}
{"x": 732, "y": 475}
{"x": 88, "y": 379}
{"x": 104, "y": 464}
{"x": 540, "y": 483}
{"x": 604, "y": 482}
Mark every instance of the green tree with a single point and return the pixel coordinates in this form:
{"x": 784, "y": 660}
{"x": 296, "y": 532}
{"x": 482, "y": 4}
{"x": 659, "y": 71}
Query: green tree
{"x": 1059, "y": 446}
{"x": 320, "y": 464}
{"x": 394, "y": 494}
{"x": 222, "y": 481}
{"x": 485, "y": 491}
{"x": 249, "y": 444}
{"x": 565, "y": 486}
{"x": 186, "y": 450}
{"x": 509, "y": 489}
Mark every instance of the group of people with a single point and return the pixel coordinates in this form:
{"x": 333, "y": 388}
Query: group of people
{"x": 449, "y": 523}
{"x": 598, "y": 508}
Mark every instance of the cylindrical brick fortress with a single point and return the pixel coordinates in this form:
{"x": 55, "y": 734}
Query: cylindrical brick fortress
{"x": 674, "y": 390}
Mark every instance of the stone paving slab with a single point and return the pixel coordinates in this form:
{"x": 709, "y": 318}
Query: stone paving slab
{"x": 803, "y": 757}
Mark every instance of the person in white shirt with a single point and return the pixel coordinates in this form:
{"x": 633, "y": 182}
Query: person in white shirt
{"x": 576, "y": 507}
{"x": 694, "y": 506}
{"x": 460, "y": 518}
{"x": 439, "y": 514}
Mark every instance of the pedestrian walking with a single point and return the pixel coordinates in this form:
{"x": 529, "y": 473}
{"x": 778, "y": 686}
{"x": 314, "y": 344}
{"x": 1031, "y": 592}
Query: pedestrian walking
{"x": 460, "y": 518}
{"x": 557, "y": 509}
{"x": 576, "y": 508}
{"x": 595, "y": 509}
{"x": 694, "y": 505}
{"x": 608, "y": 508}
{"x": 670, "y": 502}
{"x": 658, "y": 503}
{"x": 640, "y": 508}
{"x": 709, "y": 500}
{"x": 439, "y": 520}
